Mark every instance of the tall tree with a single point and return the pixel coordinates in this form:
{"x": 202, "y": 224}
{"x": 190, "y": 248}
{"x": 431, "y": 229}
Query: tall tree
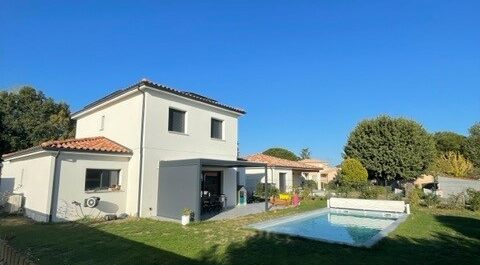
{"x": 305, "y": 153}
{"x": 451, "y": 164}
{"x": 472, "y": 146}
{"x": 281, "y": 153}
{"x": 391, "y": 148}
{"x": 449, "y": 142}
{"x": 28, "y": 117}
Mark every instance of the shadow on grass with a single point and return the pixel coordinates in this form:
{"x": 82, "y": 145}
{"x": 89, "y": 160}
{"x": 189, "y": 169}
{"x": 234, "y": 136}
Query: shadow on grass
{"x": 438, "y": 248}
{"x": 84, "y": 244}
{"x": 77, "y": 243}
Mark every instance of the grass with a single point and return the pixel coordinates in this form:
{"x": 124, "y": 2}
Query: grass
{"x": 427, "y": 237}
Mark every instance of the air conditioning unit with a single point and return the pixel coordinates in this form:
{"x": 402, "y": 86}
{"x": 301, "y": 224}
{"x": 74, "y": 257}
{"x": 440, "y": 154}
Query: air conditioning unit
{"x": 91, "y": 202}
{"x": 14, "y": 203}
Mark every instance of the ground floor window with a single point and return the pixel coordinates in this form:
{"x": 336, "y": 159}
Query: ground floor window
{"x": 101, "y": 179}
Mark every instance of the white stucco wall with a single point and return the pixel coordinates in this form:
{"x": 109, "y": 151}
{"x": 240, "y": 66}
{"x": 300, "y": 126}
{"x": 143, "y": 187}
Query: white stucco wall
{"x": 256, "y": 175}
{"x": 123, "y": 125}
{"x": 31, "y": 176}
{"x": 162, "y": 145}
{"x": 71, "y": 182}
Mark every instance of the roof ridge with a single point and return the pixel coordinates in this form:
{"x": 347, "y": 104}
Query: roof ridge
{"x": 168, "y": 89}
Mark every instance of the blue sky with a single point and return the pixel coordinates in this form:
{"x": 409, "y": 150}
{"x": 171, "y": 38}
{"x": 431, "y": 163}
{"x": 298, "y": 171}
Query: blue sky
{"x": 306, "y": 71}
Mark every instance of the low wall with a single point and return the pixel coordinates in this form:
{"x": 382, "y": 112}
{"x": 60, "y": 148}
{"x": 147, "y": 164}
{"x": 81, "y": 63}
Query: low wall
{"x": 450, "y": 186}
{"x": 9, "y": 256}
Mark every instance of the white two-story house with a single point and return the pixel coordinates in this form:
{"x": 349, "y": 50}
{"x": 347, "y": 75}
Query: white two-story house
{"x": 146, "y": 150}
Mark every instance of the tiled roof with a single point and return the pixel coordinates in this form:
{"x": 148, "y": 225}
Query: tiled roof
{"x": 312, "y": 160}
{"x": 148, "y": 83}
{"x": 272, "y": 161}
{"x": 91, "y": 144}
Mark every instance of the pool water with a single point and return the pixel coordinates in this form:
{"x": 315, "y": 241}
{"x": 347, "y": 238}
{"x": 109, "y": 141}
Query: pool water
{"x": 347, "y": 227}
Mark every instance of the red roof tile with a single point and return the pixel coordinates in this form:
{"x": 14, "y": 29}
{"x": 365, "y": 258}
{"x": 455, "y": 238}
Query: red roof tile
{"x": 100, "y": 144}
{"x": 272, "y": 161}
{"x": 91, "y": 144}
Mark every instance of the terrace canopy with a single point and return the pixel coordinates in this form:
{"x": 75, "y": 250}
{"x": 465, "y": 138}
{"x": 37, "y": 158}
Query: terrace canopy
{"x": 179, "y": 184}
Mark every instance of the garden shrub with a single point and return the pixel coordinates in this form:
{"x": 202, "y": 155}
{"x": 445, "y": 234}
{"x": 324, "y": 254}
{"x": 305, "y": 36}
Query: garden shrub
{"x": 353, "y": 173}
{"x": 414, "y": 196}
{"x": 312, "y": 184}
{"x": 370, "y": 191}
{"x": 332, "y": 185}
{"x": 260, "y": 190}
{"x": 473, "y": 199}
{"x": 306, "y": 193}
{"x": 455, "y": 201}
{"x": 451, "y": 164}
{"x": 431, "y": 200}
{"x": 345, "y": 191}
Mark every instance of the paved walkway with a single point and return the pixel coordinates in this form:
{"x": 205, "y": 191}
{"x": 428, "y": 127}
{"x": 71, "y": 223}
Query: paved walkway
{"x": 231, "y": 213}
{"x": 238, "y": 211}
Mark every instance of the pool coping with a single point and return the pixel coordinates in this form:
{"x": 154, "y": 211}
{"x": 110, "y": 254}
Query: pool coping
{"x": 367, "y": 244}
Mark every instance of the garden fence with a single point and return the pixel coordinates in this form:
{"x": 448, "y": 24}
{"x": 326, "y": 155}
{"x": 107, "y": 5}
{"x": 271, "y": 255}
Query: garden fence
{"x": 9, "y": 256}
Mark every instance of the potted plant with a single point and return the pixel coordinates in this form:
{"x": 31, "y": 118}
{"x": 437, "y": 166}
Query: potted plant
{"x": 186, "y": 216}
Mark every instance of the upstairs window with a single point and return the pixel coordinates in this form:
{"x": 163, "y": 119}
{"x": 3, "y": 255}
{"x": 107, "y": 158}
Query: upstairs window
{"x": 102, "y": 122}
{"x": 216, "y": 129}
{"x": 101, "y": 179}
{"x": 176, "y": 120}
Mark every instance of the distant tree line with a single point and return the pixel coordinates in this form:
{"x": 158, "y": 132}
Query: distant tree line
{"x": 401, "y": 149}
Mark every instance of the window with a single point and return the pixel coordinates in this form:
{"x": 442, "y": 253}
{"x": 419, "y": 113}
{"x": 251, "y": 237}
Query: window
{"x": 216, "y": 129}
{"x": 176, "y": 121}
{"x": 102, "y": 122}
{"x": 101, "y": 179}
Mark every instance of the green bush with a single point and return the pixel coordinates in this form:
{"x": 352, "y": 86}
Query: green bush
{"x": 431, "y": 200}
{"x": 306, "y": 193}
{"x": 311, "y": 184}
{"x": 414, "y": 196}
{"x": 346, "y": 191}
{"x": 473, "y": 199}
{"x": 353, "y": 173}
{"x": 370, "y": 192}
{"x": 260, "y": 190}
{"x": 455, "y": 201}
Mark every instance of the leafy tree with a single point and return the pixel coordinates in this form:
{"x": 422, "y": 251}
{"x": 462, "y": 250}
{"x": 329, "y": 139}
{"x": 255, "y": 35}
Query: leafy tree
{"x": 449, "y": 141}
{"x": 305, "y": 153}
{"x": 281, "y": 153}
{"x": 391, "y": 148}
{"x": 28, "y": 117}
{"x": 472, "y": 146}
{"x": 451, "y": 164}
{"x": 353, "y": 173}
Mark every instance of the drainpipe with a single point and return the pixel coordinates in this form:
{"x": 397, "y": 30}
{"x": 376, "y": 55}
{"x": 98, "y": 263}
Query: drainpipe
{"x": 140, "y": 169}
{"x": 55, "y": 186}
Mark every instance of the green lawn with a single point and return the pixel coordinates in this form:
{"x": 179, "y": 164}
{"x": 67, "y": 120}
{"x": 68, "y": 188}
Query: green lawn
{"x": 427, "y": 237}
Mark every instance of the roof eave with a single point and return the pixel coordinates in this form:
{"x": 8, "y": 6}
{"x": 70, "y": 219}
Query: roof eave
{"x": 118, "y": 94}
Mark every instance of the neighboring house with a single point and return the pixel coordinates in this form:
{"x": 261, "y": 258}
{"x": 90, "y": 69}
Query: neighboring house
{"x": 326, "y": 173}
{"x": 146, "y": 150}
{"x": 285, "y": 174}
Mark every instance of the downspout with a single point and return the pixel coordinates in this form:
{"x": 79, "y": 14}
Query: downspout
{"x": 54, "y": 187}
{"x": 140, "y": 169}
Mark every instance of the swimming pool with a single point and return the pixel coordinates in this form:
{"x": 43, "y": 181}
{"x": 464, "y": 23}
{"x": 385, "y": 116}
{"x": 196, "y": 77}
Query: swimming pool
{"x": 350, "y": 227}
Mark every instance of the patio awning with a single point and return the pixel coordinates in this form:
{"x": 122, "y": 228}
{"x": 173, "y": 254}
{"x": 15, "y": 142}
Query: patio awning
{"x": 179, "y": 183}
{"x": 211, "y": 163}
